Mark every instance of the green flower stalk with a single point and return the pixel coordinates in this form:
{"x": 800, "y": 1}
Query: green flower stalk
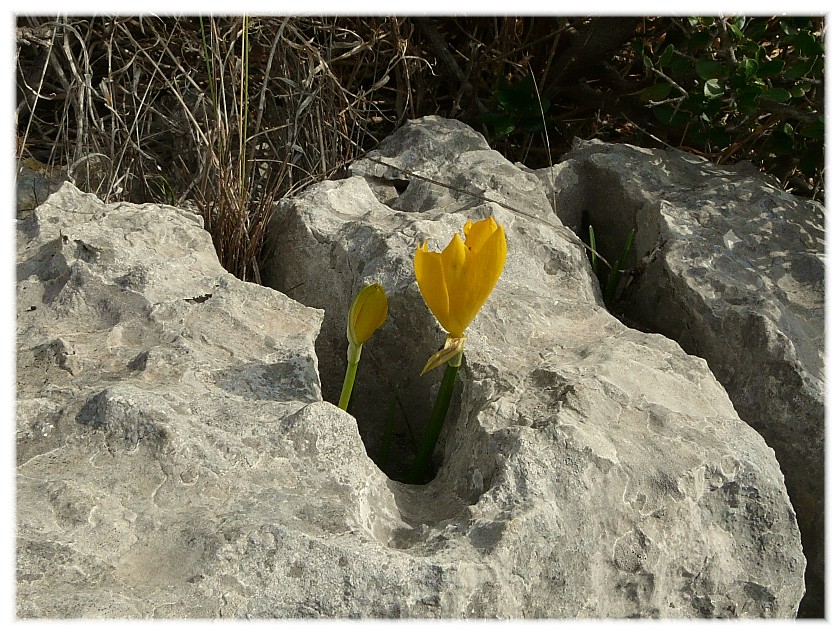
{"x": 455, "y": 284}
{"x": 367, "y": 313}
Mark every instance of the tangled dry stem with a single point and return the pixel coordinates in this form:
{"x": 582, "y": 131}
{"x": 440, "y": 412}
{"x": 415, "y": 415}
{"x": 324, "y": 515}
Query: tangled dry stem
{"x": 234, "y": 113}
{"x": 230, "y": 113}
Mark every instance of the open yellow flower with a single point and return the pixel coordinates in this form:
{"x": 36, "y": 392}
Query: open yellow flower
{"x": 456, "y": 282}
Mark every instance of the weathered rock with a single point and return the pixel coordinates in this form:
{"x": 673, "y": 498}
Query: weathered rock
{"x": 598, "y": 471}
{"x": 175, "y": 458}
{"x": 732, "y": 268}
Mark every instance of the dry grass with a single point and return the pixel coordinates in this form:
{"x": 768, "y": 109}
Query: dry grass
{"x": 230, "y": 113}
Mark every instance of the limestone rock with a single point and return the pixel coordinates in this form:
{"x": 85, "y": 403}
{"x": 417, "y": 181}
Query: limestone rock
{"x": 176, "y": 458}
{"x": 732, "y": 268}
{"x": 596, "y": 471}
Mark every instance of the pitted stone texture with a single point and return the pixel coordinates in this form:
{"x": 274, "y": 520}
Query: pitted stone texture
{"x": 586, "y": 469}
{"x": 732, "y": 268}
{"x": 175, "y": 458}
{"x": 157, "y": 396}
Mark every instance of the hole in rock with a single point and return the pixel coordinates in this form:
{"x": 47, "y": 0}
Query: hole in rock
{"x": 610, "y": 241}
{"x": 391, "y": 402}
{"x": 387, "y": 190}
{"x": 626, "y": 237}
{"x": 613, "y": 213}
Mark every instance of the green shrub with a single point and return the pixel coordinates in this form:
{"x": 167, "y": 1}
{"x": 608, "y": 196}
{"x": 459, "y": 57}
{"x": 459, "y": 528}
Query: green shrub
{"x": 746, "y": 87}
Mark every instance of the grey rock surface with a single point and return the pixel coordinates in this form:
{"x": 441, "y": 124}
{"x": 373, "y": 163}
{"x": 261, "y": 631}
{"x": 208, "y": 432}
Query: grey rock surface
{"x": 732, "y": 268}
{"x": 597, "y": 471}
{"x": 176, "y": 458}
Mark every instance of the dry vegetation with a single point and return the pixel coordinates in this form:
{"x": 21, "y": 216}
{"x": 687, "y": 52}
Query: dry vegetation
{"x": 230, "y": 113}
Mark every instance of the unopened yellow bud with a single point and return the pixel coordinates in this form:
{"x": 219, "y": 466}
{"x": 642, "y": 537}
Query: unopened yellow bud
{"x": 366, "y": 314}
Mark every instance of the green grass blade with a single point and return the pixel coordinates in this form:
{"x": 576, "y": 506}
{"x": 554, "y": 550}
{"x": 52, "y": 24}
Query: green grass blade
{"x": 618, "y": 266}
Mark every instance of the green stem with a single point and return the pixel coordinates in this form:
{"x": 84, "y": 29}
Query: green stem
{"x": 422, "y": 462}
{"x": 353, "y": 355}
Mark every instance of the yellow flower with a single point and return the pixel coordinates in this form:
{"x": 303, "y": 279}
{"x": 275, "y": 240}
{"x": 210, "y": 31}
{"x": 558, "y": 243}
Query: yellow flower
{"x": 366, "y": 314}
{"x": 457, "y": 282}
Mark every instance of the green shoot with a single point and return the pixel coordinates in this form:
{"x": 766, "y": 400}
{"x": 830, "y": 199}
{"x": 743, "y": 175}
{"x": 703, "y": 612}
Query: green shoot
{"x": 615, "y": 273}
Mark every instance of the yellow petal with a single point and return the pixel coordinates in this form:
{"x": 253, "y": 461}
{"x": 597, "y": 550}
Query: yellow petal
{"x": 428, "y": 269}
{"x": 483, "y": 268}
{"x": 478, "y": 233}
{"x": 367, "y": 313}
{"x": 454, "y": 256}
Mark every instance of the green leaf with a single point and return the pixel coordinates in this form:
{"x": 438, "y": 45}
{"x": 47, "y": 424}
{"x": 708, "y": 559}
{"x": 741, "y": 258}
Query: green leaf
{"x": 679, "y": 66}
{"x": 771, "y": 68}
{"x": 798, "y": 90}
{"x": 681, "y": 118}
{"x": 657, "y": 92}
{"x": 751, "y": 48}
{"x": 532, "y": 124}
{"x": 779, "y": 144}
{"x": 813, "y": 130}
{"x": 502, "y": 98}
{"x": 617, "y": 270}
{"x": 788, "y": 130}
{"x": 738, "y": 82}
{"x": 748, "y": 95}
{"x": 748, "y": 67}
{"x": 756, "y": 28}
{"x": 647, "y": 61}
{"x": 807, "y": 44}
{"x": 736, "y": 25}
{"x": 499, "y": 123}
{"x": 776, "y": 94}
{"x": 787, "y": 27}
{"x": 709, "y": 69}
{"x": 698, "y": 41}
{"x": 712, "y": 89}
{"x": 504, "y": 130}
{"x": 664, "y": 113}
{"x": 798, "y": 69}
{"x": 667, "y": 54}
